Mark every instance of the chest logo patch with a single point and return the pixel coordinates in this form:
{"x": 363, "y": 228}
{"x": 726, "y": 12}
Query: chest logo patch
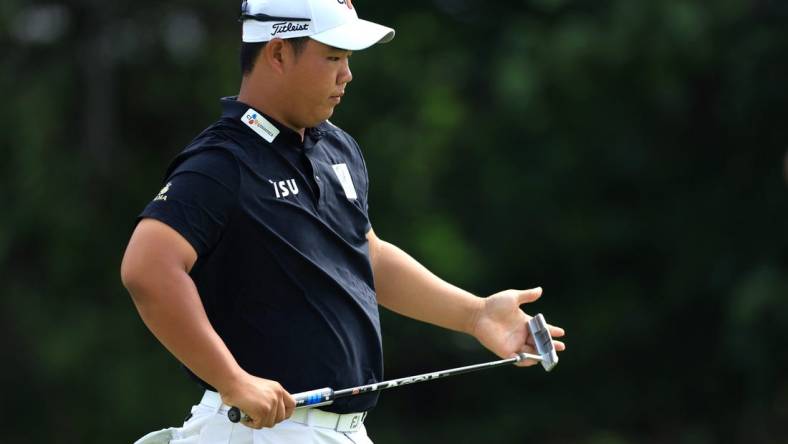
{"x": 284, "y": 188}
{"x": 343, "y": 175}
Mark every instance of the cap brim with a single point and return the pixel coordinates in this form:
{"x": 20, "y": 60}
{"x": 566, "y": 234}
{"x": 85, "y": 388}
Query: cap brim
{"x": 355, "y": 35}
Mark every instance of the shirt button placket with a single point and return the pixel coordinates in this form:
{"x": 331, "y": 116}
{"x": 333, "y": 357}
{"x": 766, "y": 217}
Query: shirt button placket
{"x": 319, "y": 189}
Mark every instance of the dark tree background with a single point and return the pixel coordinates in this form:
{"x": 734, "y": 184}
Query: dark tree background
{"x": 627, "y": 156}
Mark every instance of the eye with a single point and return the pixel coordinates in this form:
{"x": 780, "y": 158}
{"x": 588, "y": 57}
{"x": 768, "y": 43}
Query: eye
{"x": 334, "y": 59}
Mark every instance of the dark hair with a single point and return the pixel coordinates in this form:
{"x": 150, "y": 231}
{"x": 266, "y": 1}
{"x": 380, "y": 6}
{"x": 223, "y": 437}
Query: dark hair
{"x": 250, "y": 52}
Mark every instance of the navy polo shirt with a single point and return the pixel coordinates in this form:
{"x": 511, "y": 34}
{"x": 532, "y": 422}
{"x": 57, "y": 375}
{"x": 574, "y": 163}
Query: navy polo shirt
{"x": 279, "y": 226}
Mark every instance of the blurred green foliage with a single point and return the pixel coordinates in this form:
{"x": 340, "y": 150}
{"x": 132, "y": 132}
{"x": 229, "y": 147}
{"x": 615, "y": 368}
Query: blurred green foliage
{"x": 627, "y": 156}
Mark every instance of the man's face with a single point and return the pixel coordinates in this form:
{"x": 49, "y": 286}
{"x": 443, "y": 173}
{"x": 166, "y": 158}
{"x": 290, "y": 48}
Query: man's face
{"x": 315, "y": 82}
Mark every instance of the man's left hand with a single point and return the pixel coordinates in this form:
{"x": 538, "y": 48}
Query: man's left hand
{"x": 502, "y": 327}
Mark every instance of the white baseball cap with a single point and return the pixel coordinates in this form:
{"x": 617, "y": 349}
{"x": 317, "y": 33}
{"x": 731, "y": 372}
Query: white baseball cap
{"x": 333, "y": 22}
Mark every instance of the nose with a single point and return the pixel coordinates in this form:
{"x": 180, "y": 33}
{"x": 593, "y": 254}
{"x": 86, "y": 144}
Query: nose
{"x": 345, "y": 76}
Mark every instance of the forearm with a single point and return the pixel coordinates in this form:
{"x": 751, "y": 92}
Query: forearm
{"x": 170, "y": 306}
{"x": 405, "y": 286}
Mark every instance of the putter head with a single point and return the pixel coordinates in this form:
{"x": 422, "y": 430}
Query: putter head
{"x": 544, "y": 342}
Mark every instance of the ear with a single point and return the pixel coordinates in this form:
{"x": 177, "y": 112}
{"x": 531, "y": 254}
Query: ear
{"x": 274, "y": 53}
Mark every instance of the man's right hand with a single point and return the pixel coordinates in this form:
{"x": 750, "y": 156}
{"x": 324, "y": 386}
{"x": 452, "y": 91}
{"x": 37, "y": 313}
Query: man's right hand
{"x": 265, "y": 402}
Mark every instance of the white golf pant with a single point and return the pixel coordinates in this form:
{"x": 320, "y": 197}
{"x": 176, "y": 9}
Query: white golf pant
{"x": 208, "y": 424}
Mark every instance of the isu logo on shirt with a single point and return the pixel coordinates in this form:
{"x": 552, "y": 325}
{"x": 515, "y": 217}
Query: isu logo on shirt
{"x": 284, "y": 188}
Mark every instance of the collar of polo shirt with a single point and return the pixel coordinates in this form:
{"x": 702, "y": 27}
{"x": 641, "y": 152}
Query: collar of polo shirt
{"x": 281, "y": 134}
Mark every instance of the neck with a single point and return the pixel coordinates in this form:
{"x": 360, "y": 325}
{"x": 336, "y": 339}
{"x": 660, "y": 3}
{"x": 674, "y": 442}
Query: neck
{"x": 265, "y": 100}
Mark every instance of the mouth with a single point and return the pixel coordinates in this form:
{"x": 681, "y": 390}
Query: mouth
{"x": 336, "y": 98}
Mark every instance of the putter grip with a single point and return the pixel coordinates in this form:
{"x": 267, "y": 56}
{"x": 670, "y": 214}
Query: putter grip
{"x": 312, "y": 398}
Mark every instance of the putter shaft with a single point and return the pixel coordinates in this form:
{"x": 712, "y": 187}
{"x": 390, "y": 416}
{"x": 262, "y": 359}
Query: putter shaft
{"x": 327, "y": 395}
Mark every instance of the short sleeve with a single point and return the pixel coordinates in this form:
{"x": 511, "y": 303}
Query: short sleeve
{"x": 198, "y": 198}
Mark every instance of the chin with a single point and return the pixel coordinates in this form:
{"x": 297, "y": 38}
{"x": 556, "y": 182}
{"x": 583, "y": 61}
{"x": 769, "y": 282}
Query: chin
{"x": 324, "y": 116}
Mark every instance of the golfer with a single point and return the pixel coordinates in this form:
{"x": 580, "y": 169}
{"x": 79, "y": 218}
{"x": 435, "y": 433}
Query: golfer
{"x": 256, "y": 265}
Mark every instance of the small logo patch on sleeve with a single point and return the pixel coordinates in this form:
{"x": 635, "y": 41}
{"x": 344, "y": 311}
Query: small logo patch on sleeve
{"x": 343, "y": 175}
{"x": 163, "y": 193}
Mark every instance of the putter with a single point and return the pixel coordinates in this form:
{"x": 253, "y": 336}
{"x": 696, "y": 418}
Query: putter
{"x": 325, "y": 396}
